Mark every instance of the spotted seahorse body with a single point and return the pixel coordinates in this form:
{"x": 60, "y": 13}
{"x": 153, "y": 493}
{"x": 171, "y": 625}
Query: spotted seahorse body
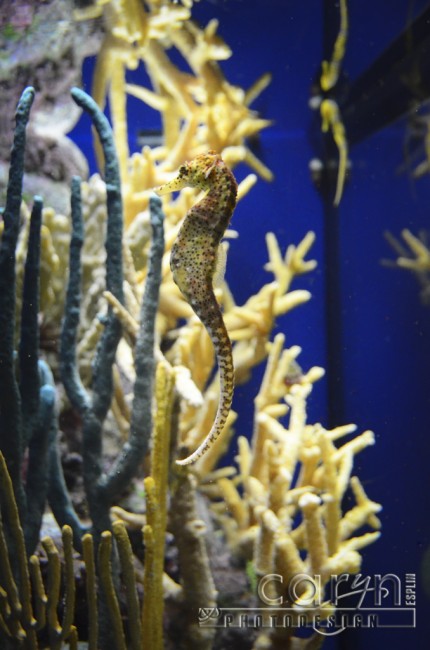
{"x": 193, "y": 263}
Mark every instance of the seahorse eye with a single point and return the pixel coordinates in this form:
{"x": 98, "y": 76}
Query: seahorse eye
{"x": 182, "y": 171}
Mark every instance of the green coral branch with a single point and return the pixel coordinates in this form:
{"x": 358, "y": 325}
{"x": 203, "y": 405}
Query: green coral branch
{"x": 141, "y": 417}
{"x": 102, "y": 376}
{"x": 37, "y": 472}
{"x": 58, "y": 495}
{"x": 78, "y": 396}
{"x": 10, "y": 401}
{"x": 29, "y": 339}
{"x": 73, "y": 385}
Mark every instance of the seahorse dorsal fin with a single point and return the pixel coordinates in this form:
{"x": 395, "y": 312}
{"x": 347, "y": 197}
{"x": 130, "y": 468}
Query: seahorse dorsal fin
{"x": 220, "y": 265}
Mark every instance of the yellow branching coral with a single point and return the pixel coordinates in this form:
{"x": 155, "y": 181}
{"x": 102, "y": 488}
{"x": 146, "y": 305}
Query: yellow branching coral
{"x": 287, "y": 516}
{"x": 26, "y": 604}
{"x": 418, "y": 259}
{"x": 199, "y": 111}
{"x": 154, "y": 530}
{"x": 197, "y": 581}
{"x": 414, "y": 257}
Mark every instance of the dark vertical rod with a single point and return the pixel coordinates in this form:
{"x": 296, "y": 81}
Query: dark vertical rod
{"x": 332, "y": 266}
{"x": 333, "y": 300}
{"x": 333, "y": 269}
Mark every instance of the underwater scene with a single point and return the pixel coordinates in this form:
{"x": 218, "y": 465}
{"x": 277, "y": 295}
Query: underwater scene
{"x": 214, "y": 324}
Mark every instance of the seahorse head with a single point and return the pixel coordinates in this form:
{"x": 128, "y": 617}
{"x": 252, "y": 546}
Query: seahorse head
{"x": 195, "y": 173}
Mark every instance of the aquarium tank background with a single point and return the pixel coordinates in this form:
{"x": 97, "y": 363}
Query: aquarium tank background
{"x": 367, "y": 322}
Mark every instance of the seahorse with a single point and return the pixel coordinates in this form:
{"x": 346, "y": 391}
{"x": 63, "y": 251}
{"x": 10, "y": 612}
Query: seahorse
{"x": 331, "y": 119}
{"x": 193, "y": 263}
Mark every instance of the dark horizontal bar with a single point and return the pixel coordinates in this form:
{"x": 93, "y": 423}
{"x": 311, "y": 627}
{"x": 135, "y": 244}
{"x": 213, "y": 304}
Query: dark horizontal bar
{"x": 396, "y": 82}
